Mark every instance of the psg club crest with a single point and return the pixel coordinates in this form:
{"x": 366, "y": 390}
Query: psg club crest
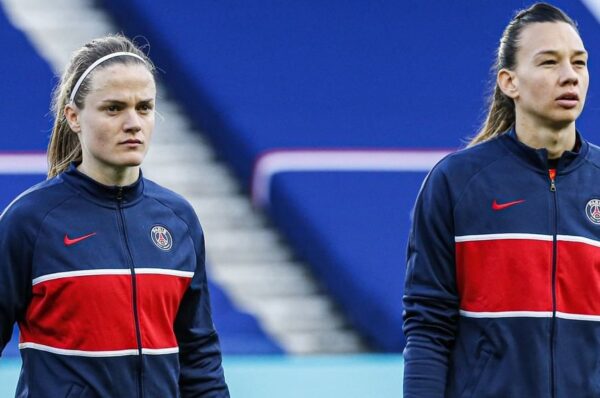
{"x": 592, "y": 210}
{"x": 162, "y": 237}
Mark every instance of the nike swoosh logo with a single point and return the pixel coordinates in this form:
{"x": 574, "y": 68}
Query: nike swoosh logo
{"x": 502, "y": 206}
{"x": 69, "y": 242}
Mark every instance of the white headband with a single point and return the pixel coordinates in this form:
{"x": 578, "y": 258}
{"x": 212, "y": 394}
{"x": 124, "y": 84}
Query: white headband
{"x": 98, "y": 62}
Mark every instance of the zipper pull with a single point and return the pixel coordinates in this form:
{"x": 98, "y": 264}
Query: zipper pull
{"x": 552, "y": 174}
{"x": 120, "y": 194}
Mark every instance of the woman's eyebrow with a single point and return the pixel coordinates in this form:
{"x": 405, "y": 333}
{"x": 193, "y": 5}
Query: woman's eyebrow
{"x": 555, "y": 52}
{"x": 114, "y": 101}
{"x": 119, "y": 102}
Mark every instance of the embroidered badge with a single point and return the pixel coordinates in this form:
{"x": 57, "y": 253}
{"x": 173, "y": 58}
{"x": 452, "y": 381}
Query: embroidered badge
{"x": 592, "y": 211}
{"x": 161, "y": 237}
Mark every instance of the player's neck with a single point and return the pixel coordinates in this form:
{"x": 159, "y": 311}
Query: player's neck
{"x": 556, "y": 139}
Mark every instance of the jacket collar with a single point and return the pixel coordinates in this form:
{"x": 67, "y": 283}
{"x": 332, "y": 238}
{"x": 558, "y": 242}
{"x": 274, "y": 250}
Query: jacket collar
{"x": 538, "y": 158}
{"x": 103, "y": 194}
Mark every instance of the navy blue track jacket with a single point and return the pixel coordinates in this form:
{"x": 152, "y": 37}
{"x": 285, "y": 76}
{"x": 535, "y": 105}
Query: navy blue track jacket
{"x": 109, "y": 289}
{"x": 502, "y": 294}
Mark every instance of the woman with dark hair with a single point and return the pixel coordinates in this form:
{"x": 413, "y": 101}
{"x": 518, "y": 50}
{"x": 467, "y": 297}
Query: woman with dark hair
{"x": 103, "y": 269}
{"x": 502, "y": 294}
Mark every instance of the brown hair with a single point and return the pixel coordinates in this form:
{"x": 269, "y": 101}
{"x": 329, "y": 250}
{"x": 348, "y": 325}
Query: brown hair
{"x": 501, "y": 111}
{"x": 64, "y": 147}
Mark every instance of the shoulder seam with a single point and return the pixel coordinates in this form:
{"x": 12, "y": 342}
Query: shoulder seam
{"x": 592, "y": 163}
{"x": 459, "y": 198}
{"x": 74, "y": 194}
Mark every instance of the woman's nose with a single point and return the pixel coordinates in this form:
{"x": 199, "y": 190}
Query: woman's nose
{"x": 568, "y": 74}
{"x": 132, "y": 121}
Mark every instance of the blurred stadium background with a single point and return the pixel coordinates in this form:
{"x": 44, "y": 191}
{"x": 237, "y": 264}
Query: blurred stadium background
{"x": 300, "y": 131}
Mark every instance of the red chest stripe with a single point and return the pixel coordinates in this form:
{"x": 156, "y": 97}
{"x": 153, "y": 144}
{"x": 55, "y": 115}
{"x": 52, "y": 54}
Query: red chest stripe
{"x": 506, "y": 272}
{"x": 578, "y": 276}
{"x": 511, "y": 275}
{"x": 90, "y": 313}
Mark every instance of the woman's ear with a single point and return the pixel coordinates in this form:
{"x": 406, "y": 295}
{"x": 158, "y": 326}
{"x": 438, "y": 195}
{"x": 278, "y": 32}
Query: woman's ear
{"x": 508, "y": 83}
{"x": 72, "y": 116}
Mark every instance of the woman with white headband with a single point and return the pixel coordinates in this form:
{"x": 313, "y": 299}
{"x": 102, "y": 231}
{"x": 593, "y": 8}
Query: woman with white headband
{"x": 103, "y": 269}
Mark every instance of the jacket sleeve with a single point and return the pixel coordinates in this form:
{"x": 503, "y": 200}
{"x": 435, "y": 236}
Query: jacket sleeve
{"x": 16, "y": 244}
{"x": 201, "y": 372}
{"x": 430, "y": 296}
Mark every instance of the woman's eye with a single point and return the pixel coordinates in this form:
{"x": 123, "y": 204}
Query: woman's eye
{"x": 112, "y": 108}
{"x": 145, "y": 108}
{"x": 548, "y": 62}
{"x": 580, "y": 62}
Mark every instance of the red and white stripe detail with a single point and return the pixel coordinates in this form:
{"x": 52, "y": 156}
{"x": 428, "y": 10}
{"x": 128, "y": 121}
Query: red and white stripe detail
{"x": 315, "y": 160}
{"x": 579, "y": 239}
{"x": 90, "y": 312}
{"x": 530, "y": 314}
{"x": 111, "y": 271}
{"x": 510, "y": 275}
{"x": 477, "y": 238}
{"x": 507, "y": 314}
{"x": 80, "y": 353}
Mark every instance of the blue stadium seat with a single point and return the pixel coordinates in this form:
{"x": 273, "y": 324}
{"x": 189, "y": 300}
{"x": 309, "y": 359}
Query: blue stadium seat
{"x": 240, "y": 333}
{"x": 27, "y": 82}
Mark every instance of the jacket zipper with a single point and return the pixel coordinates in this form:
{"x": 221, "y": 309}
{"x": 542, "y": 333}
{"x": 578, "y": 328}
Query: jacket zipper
{"x": 138, "y": 334}
{"x": 552, "y": 175}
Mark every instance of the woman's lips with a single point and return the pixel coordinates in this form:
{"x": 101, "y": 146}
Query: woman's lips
{"x": 568, "y": 100}
{"x": 131, "y": 143}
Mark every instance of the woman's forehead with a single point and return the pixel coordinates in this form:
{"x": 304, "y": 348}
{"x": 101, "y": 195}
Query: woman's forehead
{"x": 122, "y": 77}
{"x": 549, "y": 37}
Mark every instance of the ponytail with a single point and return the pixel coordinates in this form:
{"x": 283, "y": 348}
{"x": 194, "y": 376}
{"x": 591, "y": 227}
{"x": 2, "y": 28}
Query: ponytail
{"x": 500, "y": 118}
{"x": 64, "y": 147}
